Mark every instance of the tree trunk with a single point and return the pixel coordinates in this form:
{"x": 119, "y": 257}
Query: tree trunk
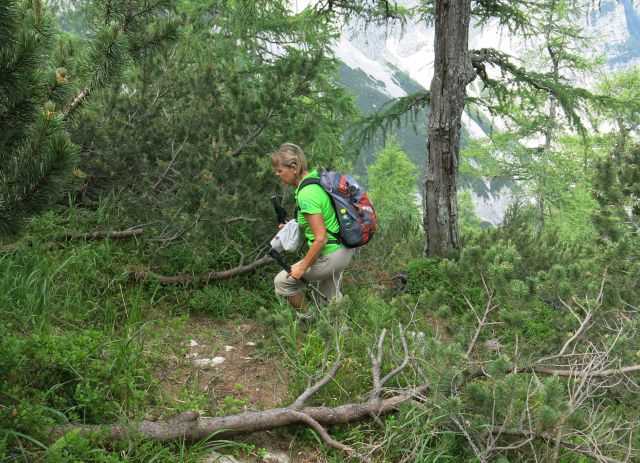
{"x": 452, "y": 72}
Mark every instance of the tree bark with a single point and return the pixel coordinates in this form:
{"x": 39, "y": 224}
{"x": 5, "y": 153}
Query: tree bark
{"x": 452, "y": 72}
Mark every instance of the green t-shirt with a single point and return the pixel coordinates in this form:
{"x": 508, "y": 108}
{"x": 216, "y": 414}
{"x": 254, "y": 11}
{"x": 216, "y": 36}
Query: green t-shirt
{"x": 312, "y": 199}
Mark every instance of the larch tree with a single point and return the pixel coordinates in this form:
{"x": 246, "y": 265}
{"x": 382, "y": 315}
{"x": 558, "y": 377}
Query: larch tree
{"x": 452, "y": 72}
{"x": 533, "y": 148}
{"x": 554, "y": 91}
{"x": 455, "y": 67}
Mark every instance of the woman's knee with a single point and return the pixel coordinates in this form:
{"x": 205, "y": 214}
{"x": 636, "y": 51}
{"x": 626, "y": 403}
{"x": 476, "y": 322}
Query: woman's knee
{"x": 285, "y": 286}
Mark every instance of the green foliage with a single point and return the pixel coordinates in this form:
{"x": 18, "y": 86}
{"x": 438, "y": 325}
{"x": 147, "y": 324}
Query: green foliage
{"x": 73, "y": 372}
{"x": 37, "y": 95}
{"x": 425, "y": 275}
{"x": 36, "y": 154}
{"x": 392, "y": 180}
{"x": 468, "y": 221}
{"x": 617, "y": 190}
{"x": 620, "y": 94}
{"x": 393, "y": 185}
{"x": 245, "y": 298}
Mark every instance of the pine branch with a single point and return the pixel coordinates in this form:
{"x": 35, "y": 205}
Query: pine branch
{"x": 40, "y": 171}
{"x": 512, "y": 15}
{"x": 153, "y": 40}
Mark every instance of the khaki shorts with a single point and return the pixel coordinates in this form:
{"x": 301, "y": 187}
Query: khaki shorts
{"x": 326, "y": 271}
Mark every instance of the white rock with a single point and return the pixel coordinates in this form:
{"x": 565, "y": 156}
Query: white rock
{"x": 276, "y": 457}
{"x": 250, "y": 344}
{"x": 192, "y": 343}
{"x": 229, "y": 348}
{"x": 203, "y": 362}
{"x": 191, "y": 355}
{"x": 216, "y": 457}
{"x": 218, "y": 360}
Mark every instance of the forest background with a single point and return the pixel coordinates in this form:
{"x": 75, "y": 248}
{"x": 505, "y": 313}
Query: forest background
{"x": 135, "y": 211}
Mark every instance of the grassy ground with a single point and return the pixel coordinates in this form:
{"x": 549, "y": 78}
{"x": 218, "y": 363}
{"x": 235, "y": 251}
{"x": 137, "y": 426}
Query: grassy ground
{"x": 86, "y": 342}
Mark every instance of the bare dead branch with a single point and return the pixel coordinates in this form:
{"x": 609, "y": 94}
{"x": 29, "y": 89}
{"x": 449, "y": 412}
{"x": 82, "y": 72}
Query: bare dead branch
{"x": 176, "y": 234}
{"x": 300, "y": 401}
{"x": 229, "y": 220}
{"x": 111, "y": 234}
{"x": 105, "y": 234}
{"x": 171, "y": 162}
{"x": 587, "y": 374}
{"x": 324, "y": 435}
{"x": 481, "y": 322}
{"x": 76, "y": 102}
{"x": 539, "y": 436}
{"x": 405, "y": 360}
{"x": 468, "y": 438}
{"x": 376, "y": 361}
{"x": 604, "y": 373}
{"x": 192, "y": 427}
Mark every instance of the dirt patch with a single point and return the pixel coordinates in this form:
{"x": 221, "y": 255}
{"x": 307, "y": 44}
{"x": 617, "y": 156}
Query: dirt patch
{"x": 439, "y": 328}
{"x": 247, "y": 379}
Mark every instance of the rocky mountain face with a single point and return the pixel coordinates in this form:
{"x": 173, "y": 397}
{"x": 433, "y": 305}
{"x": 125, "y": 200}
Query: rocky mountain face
{"x": 385, "y": 62}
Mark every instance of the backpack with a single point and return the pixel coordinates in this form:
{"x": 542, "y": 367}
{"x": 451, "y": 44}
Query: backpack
{"x": 354, "y": 209}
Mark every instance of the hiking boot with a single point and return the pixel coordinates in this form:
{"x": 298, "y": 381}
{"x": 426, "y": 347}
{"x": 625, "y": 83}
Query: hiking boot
{"x": 305, "y": 316}
{"x": 306, "y": 320}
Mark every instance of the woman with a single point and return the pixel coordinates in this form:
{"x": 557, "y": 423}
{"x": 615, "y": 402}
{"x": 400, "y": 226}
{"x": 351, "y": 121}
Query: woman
{"x": 327, "y": 258}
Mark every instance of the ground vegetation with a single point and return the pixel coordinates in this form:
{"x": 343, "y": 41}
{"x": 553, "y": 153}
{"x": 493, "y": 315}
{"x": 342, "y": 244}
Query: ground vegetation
{"x": 118, "y": 302}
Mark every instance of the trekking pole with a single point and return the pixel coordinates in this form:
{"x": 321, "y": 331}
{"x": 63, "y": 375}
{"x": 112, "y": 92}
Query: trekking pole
{"x": 280, "y": 212}
{"x": 287, "y": 268}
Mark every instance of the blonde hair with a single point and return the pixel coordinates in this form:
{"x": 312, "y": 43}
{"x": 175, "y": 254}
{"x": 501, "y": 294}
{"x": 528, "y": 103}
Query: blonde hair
{"x": 289, "y": 155}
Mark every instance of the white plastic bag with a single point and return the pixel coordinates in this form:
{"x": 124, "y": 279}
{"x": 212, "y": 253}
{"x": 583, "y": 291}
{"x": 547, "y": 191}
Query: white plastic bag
{"x": 288, "y": 238}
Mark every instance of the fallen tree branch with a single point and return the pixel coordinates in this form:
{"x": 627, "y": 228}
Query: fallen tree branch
{"x": 192, "y": 427}
{"x": 204, "y": 278}
{"x": 482, "y": 322}
{"x": 480, "y": 373}
{"x": 585, "y": 373}
{"x": 105, "y": 234}
{"x": 171, "y": 162}
{"x": 134, "y": 231}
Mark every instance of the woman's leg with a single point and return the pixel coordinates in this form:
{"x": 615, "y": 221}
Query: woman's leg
{"x": 290, "y": 288}
{"x": 327, "y": 272}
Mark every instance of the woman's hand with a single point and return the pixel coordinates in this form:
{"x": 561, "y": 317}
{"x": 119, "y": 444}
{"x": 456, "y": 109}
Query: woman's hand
{"x": 297, "y": 271}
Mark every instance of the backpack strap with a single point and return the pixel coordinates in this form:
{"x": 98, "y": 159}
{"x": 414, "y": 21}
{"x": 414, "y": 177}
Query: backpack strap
{"x": 316, "y": 181}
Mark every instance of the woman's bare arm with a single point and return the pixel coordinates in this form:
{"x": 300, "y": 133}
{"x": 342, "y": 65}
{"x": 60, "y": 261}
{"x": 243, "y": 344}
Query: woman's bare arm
{"x": 316, "y": 223}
